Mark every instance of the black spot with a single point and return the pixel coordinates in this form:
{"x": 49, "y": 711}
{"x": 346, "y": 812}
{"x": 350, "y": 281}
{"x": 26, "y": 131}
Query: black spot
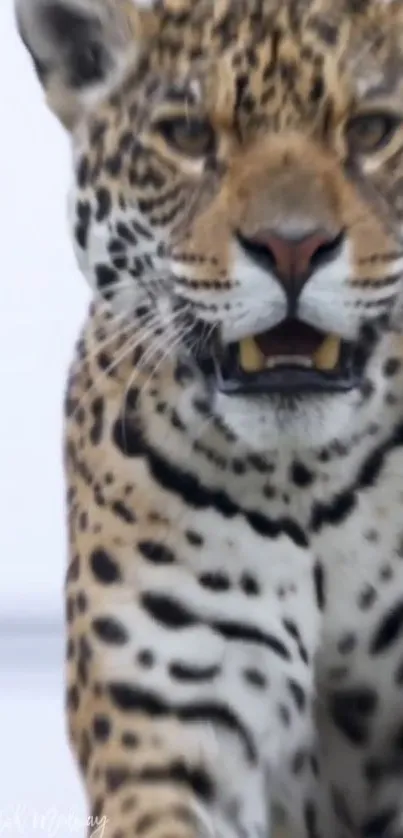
{"x": 260, "y": 464}
{"x": 372, "y": 535}
{"x": 391, "y": 367}
{"x": 83, "y": 521}
{"x": 284, "y": 714}
{"x": 327, "y": 31}
{"x": 168, "y": 611}
{"x": 81, "y": 602}
{"x": 346, "y": 643}
{"x": 366, "y": 597}
{"x": 132, "y": 397}
{"x": 273, "y": 528}
{"x": 128, "y": 236}
{"x": 84, "y": 752}
{"x": 367, "y": 389}
{"x": 116, "y": 247}
{"x": 194, "y": 777}
{"x": 317, "y": 89}
{"x": 183, "y": 373}
{"x": 70, "y": 609}
{"x": 106, "y": 278}
{"x": 249, "y": 585}
{"x": 294, "y": 632}
{"x": 82, "y": 172}
{"x": 103, "y": 204}
{"x": 319, "y": 585}
{"x": 298, "y": 694}
{"x": 351, "y": 709}
{"x": 389, "y": 631}
{"x": 310, "y": 818}
{"x": 378, "y": 825}
{"x": 128, "y": 439}
{"x": 372, "y": 467}
{"x": 98, "y": 130}
{"x": 185, "y": 672}
{"x": 386, "y": 573}
{"x": 238, "y": 466}
{"x": 202, "y": 406}
{"x": 82, "y": 669}
{"x": 301, "y": 475}
{"x": 215, "y": 581}
{"x": 110, "y": 630}
{"x": 194, "y": 538}
{"x": 146, "y": 823}
{"x": 130, "y": 740}
{"x": 101, "y": 728}
{"x": 145, "y": 658}
{"x": 255, "y": 677}
{"x": 123, "y": 512}
{"x": 120, "y": 263}
{"x": 105, "y": 362}
{"x": 298, "y": 762}
{"x": 83, "y": 223}
{"x": 314, "y": 762}
{"x": 117, "y": 777}
{"x": 134, "y": 699}
{"x": 113, "y": 164}
{"x": 334, "y": 512}
{"x": 70, "y": 649}
{"x": 97, "y": 410}
{"x": 73, "y": 699}
{"x": 104, "y": 567}
{"x": 232, "y": 630}
{"x": 156, "y": 552}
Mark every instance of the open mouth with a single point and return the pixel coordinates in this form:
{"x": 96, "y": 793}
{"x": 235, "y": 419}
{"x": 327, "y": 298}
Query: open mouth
{"x": 292, "y": 358}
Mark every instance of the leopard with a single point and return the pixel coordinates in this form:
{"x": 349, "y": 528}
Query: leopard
{"x": 233, "y": 420}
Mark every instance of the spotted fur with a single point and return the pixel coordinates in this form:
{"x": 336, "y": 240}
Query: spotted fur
{"x": 234, "y": 591}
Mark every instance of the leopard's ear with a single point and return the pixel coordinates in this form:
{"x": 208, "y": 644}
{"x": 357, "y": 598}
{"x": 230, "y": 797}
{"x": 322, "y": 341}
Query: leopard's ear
{"x": 80, "y": 48}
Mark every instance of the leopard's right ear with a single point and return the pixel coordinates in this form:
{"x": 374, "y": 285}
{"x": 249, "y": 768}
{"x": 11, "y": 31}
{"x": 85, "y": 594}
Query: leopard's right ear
{"x": 80, "y": 48}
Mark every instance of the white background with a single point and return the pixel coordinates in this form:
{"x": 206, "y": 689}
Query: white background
{"x": 42, "y": 302}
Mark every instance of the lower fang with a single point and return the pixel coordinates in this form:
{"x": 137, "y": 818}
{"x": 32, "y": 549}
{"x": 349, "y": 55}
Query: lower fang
{"x": 327, "y": 356}
{"x": 251, "y": 358}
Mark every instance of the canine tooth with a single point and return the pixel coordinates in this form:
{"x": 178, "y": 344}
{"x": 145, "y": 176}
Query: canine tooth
{"x": 250, "y": 356}
{"x": 326, "y": 357}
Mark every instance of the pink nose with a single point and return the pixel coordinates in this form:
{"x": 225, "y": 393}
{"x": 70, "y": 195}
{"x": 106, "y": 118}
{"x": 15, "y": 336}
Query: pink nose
{"x": 295, "y": 259}
{"x": 292, "y": 259}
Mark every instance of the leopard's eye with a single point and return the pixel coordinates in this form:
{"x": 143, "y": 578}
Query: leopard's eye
{"x": 369, "y": 132}
{"x": 193, "y": 137}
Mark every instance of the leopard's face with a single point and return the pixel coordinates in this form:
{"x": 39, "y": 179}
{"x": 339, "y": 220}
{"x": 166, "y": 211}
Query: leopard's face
{"x": 239, "y": 187}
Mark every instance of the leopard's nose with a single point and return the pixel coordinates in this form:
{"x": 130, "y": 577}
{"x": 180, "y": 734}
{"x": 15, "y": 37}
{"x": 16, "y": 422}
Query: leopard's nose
{"x": 293, "y": 259}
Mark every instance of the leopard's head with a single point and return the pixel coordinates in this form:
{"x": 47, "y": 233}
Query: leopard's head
{"x": 238, "y": 185}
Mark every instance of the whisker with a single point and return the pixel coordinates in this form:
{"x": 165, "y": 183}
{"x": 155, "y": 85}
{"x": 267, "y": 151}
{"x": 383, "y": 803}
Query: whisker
{"x": 135, "y": 335}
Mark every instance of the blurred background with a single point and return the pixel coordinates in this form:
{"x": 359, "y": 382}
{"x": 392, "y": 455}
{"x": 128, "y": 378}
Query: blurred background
{"x": 43, "y": 300}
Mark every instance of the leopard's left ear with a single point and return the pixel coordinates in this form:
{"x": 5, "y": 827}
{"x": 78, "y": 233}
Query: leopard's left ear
{"x": 80, "y": 48}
